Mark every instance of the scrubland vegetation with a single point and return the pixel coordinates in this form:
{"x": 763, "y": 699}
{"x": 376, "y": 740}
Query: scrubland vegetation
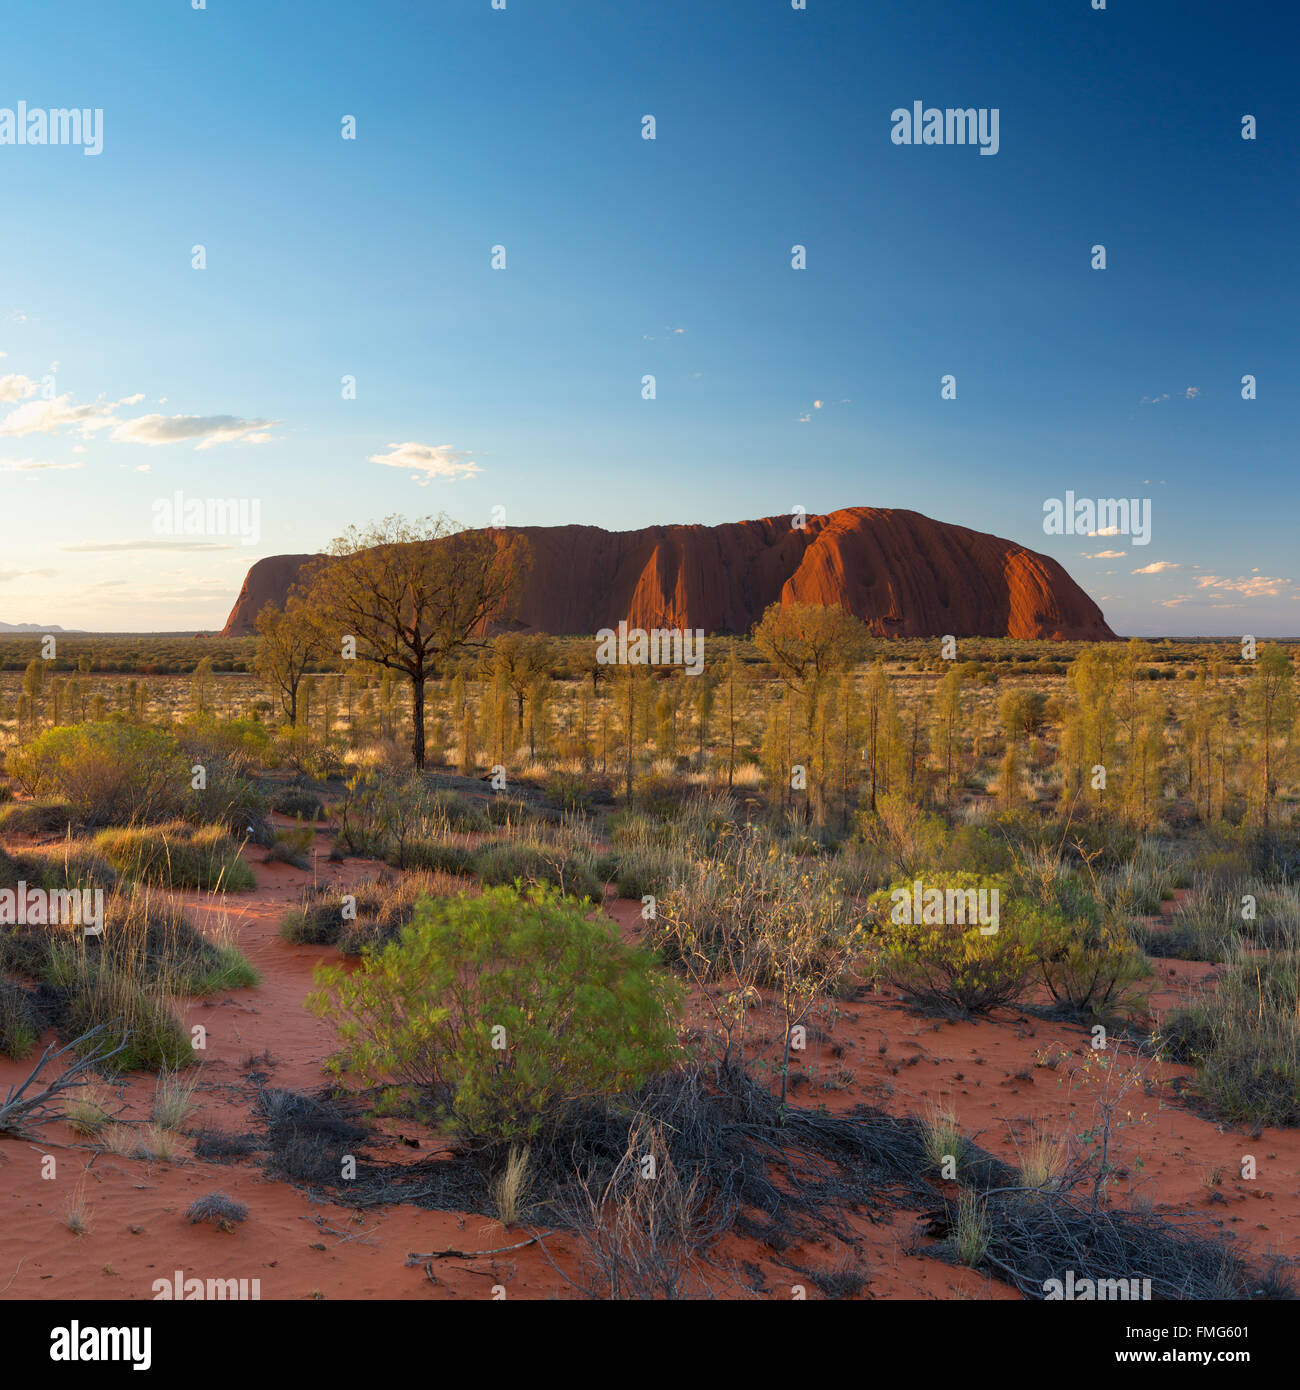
{"x": 772, "y": 821}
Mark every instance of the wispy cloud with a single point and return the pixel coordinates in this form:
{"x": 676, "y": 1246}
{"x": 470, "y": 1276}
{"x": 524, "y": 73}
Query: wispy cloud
{"x": 209, "y": 430}
{"x": 1158, "y": 567}
{"x": 1251, "y": 586}
{"x": 427, "y": 461}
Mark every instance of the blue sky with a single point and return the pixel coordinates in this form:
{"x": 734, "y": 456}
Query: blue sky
{"x": 129, "y": 375}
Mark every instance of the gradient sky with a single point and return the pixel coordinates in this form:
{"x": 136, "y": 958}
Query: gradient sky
{"x": 522, "y": 127}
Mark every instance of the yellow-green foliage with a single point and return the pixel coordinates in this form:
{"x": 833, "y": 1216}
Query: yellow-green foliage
{"x": 500, "y": 1009}
{"x": 955, "y": 967}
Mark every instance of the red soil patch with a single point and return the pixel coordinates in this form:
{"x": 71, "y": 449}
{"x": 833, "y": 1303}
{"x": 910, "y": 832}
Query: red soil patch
{"x": 874, "y": 1051}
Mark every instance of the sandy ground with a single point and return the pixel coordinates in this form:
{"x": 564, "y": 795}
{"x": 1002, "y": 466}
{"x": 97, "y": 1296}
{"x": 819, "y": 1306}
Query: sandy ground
{"x": 1000, "y": 1077}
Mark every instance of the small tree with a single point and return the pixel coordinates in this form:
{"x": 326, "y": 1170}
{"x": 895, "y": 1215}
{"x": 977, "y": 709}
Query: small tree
{"x": 805, "y": 643}
{"x": 410, "y": 594}
{"x": 287, "y": 644}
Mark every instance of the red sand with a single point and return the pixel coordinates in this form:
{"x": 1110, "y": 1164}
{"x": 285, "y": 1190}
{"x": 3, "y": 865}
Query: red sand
{"x": 985, "y": 1071}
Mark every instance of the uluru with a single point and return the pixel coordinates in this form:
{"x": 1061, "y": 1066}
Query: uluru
{"x": 902, "y": 573}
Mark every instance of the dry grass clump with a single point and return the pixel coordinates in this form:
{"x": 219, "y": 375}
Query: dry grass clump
{"x": 176, "y": 854}
{"x": 217, "y": 1210}
{"x": 90, "y": 1108}
{"x": 1243, "y": 1037}
{"x": 127, "y": 977}
{"x": 173, "y": 1100}
{"x": 511, "y": 1189}
{"x": 369, "y": 913}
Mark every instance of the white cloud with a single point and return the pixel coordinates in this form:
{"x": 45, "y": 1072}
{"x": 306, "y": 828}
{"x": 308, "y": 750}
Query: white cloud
{"x": 209, "y": 430}
{"x": 50, "y": 416}
{"x": 431, "y": 460}
{"x": 1158, "y": 567}
{"x": 16, "y": 387}
{"x": 1104, "y": 554}
{"x": 1255, "y": 587}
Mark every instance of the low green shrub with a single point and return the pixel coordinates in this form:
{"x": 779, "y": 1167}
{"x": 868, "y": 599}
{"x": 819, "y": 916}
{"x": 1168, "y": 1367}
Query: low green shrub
{"x": 501, "y": 1010}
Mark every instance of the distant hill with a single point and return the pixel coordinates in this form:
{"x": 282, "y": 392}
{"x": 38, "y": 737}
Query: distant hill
{"x": 35, "y": 627}
{"x": 900, "y": 572}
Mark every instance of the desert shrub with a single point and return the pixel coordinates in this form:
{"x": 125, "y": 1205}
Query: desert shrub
{"x": 1139, "y": 884}
{"x": 662, "y": 798}
{"x": 382, "y": 813}
{"x": 503, "y": 862}
{"x": 217, "y": 1210}
{"x": 35, "y": 817}
{"x": 1092, "y": 970}
{"x": 127, "y": 978}
{"x": 71, "y": 864}
{"x": 244, "y": 744}
{"x": 568, "y": 791}
{"x": 908, "y": 838}
{"x": 751, "y": 910}
{"x": 462, "y": 813}
{"x": 645, "y": 859}
{"x": 298, "y": 802}
{"x": 978, "y": 849}
{"x": 582, "y": 1014}
{"x": 651, "y": 869}
{"x": 292, "y": 847}
{"x": 1244, "y": 1039}
{"x": 307, "y": 754}
{"x": 1201, "y": 927}
{"x": 233, "y": 802}
{"x": 108, "y": 773}
{"x": 150, "y": 1035}
{"x": 504, "y": 809}
{"x": 439, "y": 856}
{"x": 177, "y": 855}
{"x": 953, "y": 966}
{"x": 377, "y": 909}
{"x": 20, "y": 1024}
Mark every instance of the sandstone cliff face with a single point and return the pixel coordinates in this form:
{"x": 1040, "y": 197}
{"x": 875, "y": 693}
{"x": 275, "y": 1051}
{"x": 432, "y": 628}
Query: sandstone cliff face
{"x": 900, "y": 572}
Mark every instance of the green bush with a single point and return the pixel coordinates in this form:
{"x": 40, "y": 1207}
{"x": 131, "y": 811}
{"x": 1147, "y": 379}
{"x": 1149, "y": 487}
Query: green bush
{"x": 953, "y": 966}
{"x": 503, "y": 862}
{"x": 1090, "y": 970}
{"x": 108, "y": 773}
{"x": 502, "y": 1009}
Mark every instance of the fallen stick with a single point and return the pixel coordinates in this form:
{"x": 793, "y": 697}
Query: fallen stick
{"x": 413, "y": 1259}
